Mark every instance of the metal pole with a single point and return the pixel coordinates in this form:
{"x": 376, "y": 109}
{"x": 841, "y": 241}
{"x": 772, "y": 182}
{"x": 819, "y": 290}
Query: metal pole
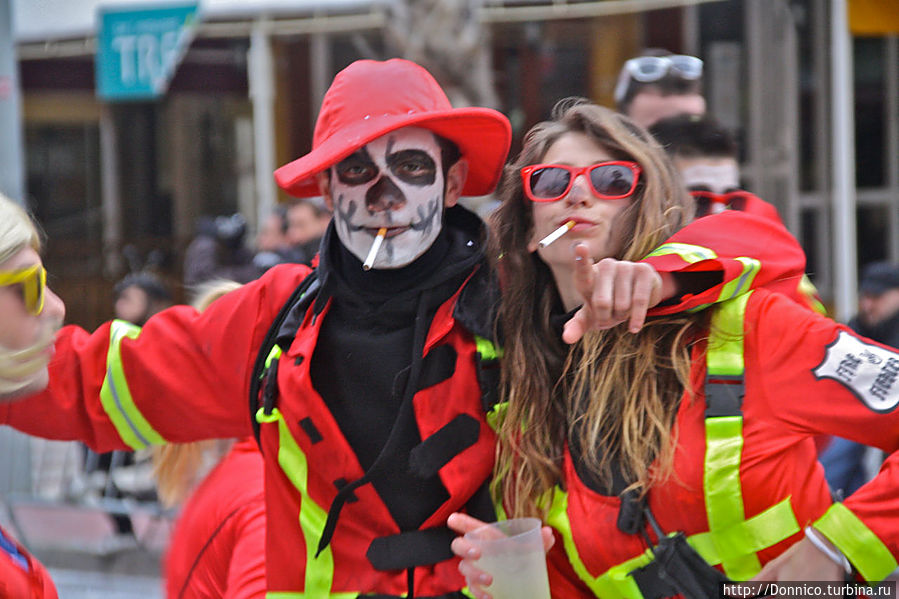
{"x": 109, "y": 192}
{"x": 843, "y": 122}
{"x": 260, "y": 72}
{"x": 320, "y": 67}
{"x": 12, "y": 168}
{"x": 892, "y": 155}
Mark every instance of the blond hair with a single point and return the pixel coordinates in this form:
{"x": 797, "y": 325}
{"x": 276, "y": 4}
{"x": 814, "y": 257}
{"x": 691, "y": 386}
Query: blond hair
{"x": 613, "y": 394}
{"x": 178, "y": 467}
{"x": 17, "y": 230}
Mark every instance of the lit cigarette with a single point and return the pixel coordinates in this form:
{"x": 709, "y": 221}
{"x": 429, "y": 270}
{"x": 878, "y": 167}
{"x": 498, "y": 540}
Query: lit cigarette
{"x": 370, "y": 259}
{"x": 555, "y": 234}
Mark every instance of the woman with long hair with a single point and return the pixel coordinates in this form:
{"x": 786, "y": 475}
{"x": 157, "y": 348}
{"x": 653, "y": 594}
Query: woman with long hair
{"x": 670, "y": 458}
{"x": 30, "y": 315}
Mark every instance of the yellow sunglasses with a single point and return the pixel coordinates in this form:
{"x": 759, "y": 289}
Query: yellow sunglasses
{"x": 33, "y": 281}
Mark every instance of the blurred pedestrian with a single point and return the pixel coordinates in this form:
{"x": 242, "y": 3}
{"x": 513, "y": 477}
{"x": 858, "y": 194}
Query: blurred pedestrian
{"x": 273, "y": 246}
{"x": 30, "y": 315}
{"x": 307, "y": 221}
{"x": 847, "y": 464}
{"x": 218, "y": 251}
{"x": 659, "y": 84}
{"x": 217, "y": 547}
{"x": 140, "y": 295}
{"x": 272, "y": 235}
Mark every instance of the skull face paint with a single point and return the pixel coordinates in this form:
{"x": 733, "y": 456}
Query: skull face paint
{"x": 397, "y": 182}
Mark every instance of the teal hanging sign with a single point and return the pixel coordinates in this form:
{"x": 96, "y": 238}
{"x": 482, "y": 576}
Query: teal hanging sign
{"x": 138, "y": 49}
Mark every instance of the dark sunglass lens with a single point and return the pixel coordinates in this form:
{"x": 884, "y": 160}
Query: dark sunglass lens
{"x": 612, "y": 179}
{"x": 703, "y": 205}
{"x": 549, "y": 182}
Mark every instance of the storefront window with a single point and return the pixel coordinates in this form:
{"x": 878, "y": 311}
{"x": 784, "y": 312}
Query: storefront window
{"x": 872, "y": 227}
{"x": 870, "y": 130}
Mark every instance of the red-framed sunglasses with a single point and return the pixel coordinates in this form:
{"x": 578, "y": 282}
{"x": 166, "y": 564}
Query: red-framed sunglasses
{"x": 709, "y": 202}
{"x": 612, "y": 180}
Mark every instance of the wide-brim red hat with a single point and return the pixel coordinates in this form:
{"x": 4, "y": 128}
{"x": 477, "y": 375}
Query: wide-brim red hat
{"x": 370, "y": 98}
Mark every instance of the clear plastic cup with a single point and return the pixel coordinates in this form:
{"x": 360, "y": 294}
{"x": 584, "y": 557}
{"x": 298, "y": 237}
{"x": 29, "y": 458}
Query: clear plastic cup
{"x": 512, "y": 553}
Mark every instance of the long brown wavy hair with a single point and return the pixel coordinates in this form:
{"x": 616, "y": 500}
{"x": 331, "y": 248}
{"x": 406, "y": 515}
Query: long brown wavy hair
{"x": 613, "y": 393}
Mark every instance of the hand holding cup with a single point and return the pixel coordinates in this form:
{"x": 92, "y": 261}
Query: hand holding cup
{"x": 503, "y": 559}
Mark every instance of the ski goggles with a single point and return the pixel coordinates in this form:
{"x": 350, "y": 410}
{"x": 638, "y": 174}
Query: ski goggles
{"x": 33, "y": 283}
{"x": 613, "y": 180}
{"x": 709, "y": 202}
{"x": 648, "y": 69}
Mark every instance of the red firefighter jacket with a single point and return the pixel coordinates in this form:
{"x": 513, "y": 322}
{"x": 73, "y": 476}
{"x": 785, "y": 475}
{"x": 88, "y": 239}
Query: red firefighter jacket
{"x": 804, "y": 375}
{"x": 185, "y": 376}
{"x": 217, "y": 548}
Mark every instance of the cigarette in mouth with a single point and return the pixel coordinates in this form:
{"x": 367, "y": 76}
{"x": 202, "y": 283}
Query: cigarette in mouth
{"x": 554, "y": 236}
{"x": 370, "y": 259}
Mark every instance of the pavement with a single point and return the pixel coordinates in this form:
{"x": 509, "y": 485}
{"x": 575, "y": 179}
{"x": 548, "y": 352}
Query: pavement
{"x": 88, "y": 584}
{"x": 85, "y": 555}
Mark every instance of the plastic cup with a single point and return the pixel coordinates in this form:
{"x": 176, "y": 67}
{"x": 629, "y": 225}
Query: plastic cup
{"x": 512, "y": 553}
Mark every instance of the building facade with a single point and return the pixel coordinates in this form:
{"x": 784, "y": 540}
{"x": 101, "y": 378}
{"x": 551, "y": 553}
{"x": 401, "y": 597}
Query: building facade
{"x": 101, "y": 175}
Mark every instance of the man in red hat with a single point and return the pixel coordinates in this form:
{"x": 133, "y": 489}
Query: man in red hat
{"x": 374, "y": 370}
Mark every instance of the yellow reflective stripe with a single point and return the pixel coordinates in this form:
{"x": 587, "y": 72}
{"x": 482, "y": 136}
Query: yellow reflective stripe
{"x": 272, "y": 356}
{"x": 732, "y": 540}
{"x": 496, "y": 414}
{"x": 759, "y": 532}
{"x": 724, "y": 445}
{"x": 614, "y": 583}
{"x": 723, "y": 492}
{"x": 808, "y": 289}
{"x": 291, "y": 595}
{"x": 292, "y": 460}
{"x": 687, "y": 252}
{"x": 725, "y": 350}
{"x": 116, "y": 398}
{"x": 699, "y": 308}
{"x": 262, "y": 417}
{"x": 487, "y": 348}
{"x": 858, "y": 543}
{"x": 742, "y": 283}
{"x": 763, "y": 530}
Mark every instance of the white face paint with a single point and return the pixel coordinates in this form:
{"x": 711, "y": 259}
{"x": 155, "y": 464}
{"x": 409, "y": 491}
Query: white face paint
{"x": 396, "y": 182}
{"x": 718, "y": 175}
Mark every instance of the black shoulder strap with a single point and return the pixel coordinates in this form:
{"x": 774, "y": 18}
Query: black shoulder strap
{"x": 301, "y": 298}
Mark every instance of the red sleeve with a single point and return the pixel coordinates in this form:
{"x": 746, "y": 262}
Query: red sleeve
{"x": 183, "y": 377}
{"x": 749, "y": 252}
{"x": 758, "y": 206}
{"x": 820, "y": 377}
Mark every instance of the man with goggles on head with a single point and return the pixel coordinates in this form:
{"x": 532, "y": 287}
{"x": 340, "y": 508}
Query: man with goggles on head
{"x": 658, "y": 85}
